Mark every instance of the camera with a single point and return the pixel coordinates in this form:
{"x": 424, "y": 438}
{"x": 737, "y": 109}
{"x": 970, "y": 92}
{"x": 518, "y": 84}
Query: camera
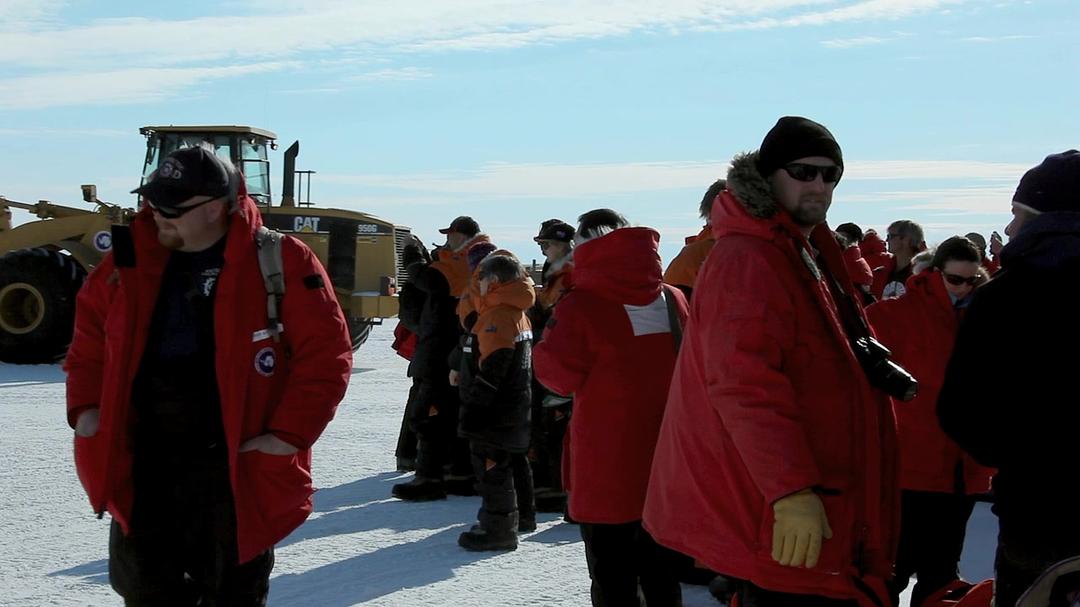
{"x": 883, "y": 373}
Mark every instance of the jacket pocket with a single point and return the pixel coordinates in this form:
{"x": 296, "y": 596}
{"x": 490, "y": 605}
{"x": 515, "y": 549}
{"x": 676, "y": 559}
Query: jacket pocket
{"x": 280, "y": 489}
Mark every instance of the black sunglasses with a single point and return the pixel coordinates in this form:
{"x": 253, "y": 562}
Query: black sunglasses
{"x": 176, "y": 212}
{"x": 957, "y": 280}
{"x": 808, "y": 172}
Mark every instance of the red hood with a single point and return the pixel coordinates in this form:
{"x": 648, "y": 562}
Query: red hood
{"x": 623, "y": 266}
{"x": 931, "y": 284}
{"x": 872, "y": 244}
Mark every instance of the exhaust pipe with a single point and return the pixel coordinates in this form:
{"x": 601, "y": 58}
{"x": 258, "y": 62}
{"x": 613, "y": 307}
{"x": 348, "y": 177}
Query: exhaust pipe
{"x": 288, "y": 176}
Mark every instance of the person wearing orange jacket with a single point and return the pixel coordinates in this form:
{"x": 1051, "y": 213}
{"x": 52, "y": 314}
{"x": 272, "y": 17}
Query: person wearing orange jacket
{"x": 938, "y": 481}
{"x": 611, "y": 344}
{"x": 442, "y": 461}
{"x": 683, "y": 270}
{"x": 776, "y": 463}
{"x": 493, "y": 372}
{"x": 550, "y": 412}
{"x": 194, "y": 410}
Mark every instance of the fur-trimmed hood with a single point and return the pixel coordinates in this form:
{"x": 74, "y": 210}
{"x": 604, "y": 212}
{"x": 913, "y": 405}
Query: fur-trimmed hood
{"x": 750, "y": 188}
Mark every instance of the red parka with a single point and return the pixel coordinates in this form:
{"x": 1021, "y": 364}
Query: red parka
{"x": 262, "y": 387}
{"x": 857, "y": 268}
{"x": 768, "y": 399}
{"x": 609, "y": 344}
{"x": 920, "y": 328}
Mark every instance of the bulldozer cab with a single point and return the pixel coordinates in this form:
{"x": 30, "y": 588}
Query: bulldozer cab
{"x": 244, "y": 146}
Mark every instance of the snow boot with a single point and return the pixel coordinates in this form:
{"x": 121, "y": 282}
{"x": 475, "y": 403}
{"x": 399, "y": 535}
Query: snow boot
{"x": 406, "y": 464}
{"x": 420, "y": 489}
{"x": 526, "y": 524}
{"x": 478, "y": 540}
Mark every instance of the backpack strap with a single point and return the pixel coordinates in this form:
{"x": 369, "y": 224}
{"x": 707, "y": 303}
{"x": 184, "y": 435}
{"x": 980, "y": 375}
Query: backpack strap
{"x": 268, "y": 246}
{"x": 673, "y": 317}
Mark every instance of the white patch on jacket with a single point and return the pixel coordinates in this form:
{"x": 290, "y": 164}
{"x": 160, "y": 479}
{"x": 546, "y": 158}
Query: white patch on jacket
{"x": 649, "y": 319}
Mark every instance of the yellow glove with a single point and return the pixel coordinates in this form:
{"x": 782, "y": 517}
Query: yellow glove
{"x": 799, "y": 528}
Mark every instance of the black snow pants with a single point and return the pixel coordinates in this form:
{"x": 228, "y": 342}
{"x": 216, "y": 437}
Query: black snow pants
{"x": 628, "y": 568}
{"x": 181, "y": 547}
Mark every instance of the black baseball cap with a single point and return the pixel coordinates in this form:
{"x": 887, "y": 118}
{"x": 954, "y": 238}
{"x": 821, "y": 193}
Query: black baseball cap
{"x": 463, "y": 225}
{"x": 183, "y": 174}
{"x": 555, "y": 229}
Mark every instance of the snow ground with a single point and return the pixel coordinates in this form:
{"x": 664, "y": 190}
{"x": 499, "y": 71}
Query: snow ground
{"x": 359, "y": 547}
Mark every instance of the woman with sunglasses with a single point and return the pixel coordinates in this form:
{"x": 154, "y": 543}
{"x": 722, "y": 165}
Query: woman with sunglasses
{"x": 938, "y": 481}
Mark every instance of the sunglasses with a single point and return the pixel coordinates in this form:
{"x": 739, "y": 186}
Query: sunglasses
{"x": 176, "y": 212}
{"x": 809, "y": 172}
{"x": 957, "y": 280}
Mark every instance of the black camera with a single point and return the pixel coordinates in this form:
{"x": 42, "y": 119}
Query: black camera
{"x": 882, "y": 372}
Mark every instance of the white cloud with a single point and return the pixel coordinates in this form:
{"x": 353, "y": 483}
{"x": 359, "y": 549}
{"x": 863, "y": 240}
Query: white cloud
{"x": 121, "y": 86}
{"x": 400, "y": 74}
{"x": 261, "y": 33}
{"x": 979, "y": 199}
{"x": 854, "y": 42}
{"x": 993, "y": 39}
{"x": 504, "y": 180}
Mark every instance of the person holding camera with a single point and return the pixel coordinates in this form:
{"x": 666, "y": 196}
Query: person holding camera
{"x": 938, "y": 481}
{"x": 775, "y": 465}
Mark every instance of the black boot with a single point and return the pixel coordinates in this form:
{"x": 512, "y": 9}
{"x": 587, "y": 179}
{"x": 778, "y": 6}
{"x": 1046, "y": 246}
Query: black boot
{"x": 478, "y": 540}
{"x": 420, "y": 489}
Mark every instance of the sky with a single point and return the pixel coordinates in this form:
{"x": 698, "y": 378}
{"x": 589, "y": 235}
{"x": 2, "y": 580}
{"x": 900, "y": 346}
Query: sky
{"x": 517, "y": 111}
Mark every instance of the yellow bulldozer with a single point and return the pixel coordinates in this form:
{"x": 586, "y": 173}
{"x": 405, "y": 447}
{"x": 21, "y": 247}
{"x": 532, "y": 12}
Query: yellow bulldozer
{"x": 44, "y": 262}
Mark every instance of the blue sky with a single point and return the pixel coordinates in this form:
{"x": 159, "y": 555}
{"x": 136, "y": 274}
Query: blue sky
{"x": 515, "y": 111}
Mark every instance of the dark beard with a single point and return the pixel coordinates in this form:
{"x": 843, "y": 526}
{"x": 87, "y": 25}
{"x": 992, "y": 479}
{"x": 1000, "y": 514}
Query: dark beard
{"x": 810, "y": 214}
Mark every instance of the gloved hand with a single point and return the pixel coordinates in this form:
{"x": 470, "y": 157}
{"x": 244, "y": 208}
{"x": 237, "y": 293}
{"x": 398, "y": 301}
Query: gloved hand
{"x": 799, "y": 529}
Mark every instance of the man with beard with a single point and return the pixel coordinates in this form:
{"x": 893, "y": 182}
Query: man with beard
{"x": 775, "y": 462}
{"x": 190, "y": 427}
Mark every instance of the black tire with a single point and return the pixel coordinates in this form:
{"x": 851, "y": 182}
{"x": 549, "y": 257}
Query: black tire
{"x": 359, "y": 330}
{"x": 37, "y": 305}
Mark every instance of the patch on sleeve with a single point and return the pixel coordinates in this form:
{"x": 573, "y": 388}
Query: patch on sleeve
{"x": 315, "y": 281}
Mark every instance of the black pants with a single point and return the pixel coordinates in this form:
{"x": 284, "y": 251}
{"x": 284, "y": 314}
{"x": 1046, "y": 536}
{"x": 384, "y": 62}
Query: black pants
{"x": 624, "y": 559}
{"x": 181, "y": 549}
{"x": 753, "y": 596}
{"x": 932, "y": 529}
{"x": 498, "y": 513}
{"x": 440, "y": 448}
{"x": 523, "y": 485}
{"x": 407, "y": 439}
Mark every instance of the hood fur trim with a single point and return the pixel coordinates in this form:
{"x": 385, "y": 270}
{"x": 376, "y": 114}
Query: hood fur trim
{"x": 749, "y": 187}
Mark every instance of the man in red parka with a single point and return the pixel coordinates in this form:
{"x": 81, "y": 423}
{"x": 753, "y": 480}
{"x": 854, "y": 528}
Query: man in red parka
{"x": 775, "y": 464}
{"x": 194, "y": 411}
{"x": 611, "y": 345}
{"x": 937, "y": 480}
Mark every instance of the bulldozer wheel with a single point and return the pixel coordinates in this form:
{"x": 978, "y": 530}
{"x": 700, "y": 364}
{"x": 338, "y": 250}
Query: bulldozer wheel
{"x": 37, "y": 305}
{"x": 359, "y": 330}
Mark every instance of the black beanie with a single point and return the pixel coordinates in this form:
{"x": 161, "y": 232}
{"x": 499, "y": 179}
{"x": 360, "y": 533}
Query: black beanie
{"x": 795, "y": 137}
{"x": 1053, "y": 185}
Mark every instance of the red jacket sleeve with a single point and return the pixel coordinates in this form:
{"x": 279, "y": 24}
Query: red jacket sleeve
{"x": 85, "y": 362}
{"x": 320, "y": 364}
{"x": 746, "y": 328}
{"x": 562, "y": 361}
